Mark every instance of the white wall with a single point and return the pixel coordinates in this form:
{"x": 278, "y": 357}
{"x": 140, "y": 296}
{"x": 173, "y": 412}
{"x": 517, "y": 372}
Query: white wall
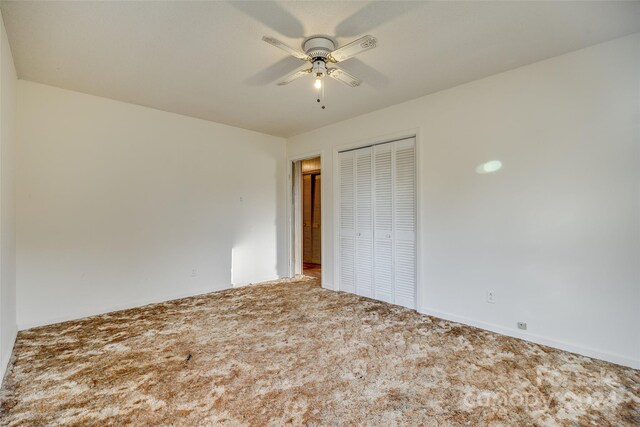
{"x": 556, "y": 232}
{"x": 118, "y": 203}
{"x": 8, "y": 82}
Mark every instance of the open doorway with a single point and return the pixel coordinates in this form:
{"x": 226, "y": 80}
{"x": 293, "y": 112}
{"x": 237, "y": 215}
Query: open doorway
{"x": 307, "y": 204}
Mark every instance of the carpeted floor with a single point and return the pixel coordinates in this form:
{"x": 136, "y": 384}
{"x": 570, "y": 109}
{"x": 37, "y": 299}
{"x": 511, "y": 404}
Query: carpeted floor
{"x": 292, "y": 353}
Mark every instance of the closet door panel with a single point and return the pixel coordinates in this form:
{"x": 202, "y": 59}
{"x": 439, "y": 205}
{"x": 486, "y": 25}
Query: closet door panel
{"x": 364, "y": 268}
{"x": 404, "y": 212}
{"x": 346, "y": 260}
{"x": 364, "y": 222}
{"x": 383, "y": 271}
{"x": 405, "y": 276}
{"x": 383, "y": 222}
{"x": 364, "y": 187}
{"x": 347, "y": 265}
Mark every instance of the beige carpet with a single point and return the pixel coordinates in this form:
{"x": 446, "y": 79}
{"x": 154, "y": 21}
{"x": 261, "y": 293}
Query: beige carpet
{"x": 293, "y": 353}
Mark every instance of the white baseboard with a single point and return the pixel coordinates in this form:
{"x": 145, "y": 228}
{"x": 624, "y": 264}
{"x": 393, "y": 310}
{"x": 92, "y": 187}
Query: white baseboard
{"x": 118, "y": 307}
{"x": 572, "y": 348}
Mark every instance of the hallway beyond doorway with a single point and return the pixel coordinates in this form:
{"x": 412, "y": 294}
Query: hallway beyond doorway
{"x": 312, "y": 270}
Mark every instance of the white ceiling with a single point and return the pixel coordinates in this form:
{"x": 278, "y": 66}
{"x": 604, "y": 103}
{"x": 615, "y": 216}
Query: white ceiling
{"x": 207, "y": 59}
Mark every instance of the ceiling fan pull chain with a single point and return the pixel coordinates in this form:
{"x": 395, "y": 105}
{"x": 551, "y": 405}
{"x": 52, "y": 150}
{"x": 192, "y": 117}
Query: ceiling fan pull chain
{"x": 323, "y": 98}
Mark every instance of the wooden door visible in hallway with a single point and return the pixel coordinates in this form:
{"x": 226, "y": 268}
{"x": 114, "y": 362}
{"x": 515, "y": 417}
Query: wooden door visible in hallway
{"x": 311, "y": 212}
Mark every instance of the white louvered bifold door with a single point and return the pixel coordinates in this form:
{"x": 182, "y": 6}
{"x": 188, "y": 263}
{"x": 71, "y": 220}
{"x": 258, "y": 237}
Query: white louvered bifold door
{"x": 364, "y": 222}
{"x": 346, "y": 263}
{"x": 377, "y": 241}
{"x": 383, "y": 222}
{"x": 404, "y": 221}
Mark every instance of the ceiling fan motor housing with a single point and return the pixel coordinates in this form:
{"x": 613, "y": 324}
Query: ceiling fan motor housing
{"x": 318, "y": 48}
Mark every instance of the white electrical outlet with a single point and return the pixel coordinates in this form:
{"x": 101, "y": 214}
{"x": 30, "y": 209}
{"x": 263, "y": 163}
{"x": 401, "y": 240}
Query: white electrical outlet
{"x": 491, "y": 297}
{"x": 522, "y": 325}
{"x": 194, "y": 272}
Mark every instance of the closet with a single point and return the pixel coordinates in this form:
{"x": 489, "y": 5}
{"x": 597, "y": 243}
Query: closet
{"x": 377, "y": 222}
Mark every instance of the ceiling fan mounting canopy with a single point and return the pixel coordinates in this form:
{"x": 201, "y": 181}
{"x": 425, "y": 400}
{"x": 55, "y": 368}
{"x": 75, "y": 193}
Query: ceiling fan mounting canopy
{"x": 318, "y": 47}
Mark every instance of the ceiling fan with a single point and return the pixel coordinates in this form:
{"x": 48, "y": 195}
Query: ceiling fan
{"x": 321, "y": 52}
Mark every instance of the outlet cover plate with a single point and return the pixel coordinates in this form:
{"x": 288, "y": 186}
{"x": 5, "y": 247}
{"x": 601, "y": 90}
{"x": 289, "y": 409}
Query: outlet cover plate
{"x": 522, "y": 325}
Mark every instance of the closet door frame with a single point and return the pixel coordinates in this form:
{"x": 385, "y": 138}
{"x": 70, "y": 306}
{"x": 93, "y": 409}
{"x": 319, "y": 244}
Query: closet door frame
{"x": 391, "y": 137}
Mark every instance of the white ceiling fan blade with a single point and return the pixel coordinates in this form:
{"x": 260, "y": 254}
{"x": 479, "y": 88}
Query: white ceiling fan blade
{"x": 295, "y": 75}
{"x": 291, "y": 51}
{"x": 352, "y": 49}
{"x": 344, "y": 77}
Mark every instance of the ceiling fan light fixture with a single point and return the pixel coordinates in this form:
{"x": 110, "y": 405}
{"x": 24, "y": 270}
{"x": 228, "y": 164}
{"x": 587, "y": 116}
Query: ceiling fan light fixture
{"x": 319, "y": 69}
{"x": 320, "y": 50}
